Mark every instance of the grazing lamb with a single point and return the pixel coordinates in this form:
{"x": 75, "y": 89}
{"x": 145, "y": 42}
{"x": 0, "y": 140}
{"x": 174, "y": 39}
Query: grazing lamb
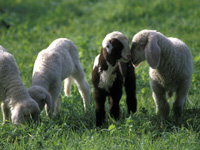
{"x": 16, "y": 104}
{"x": 58, "y": 62}
{"x": 170, "y": 71}
{"x": 112, "y": 69}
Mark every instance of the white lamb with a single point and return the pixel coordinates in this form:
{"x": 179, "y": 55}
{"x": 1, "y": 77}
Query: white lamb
{"x": 16, "y": 104}
{"x": 170, "y": 71}
{"x": 58, "y": 62}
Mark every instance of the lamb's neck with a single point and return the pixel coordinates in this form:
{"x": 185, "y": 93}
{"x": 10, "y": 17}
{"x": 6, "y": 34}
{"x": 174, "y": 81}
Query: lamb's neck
{"x": 110, "y": 71}
{"x": 40, "y": 80}
{"x": 107, "y": 74}
{"x": 106, "y": 66}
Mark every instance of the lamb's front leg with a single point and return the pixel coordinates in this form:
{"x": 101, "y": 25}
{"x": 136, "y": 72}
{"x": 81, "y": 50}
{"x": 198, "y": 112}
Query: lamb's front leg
{"x": 162, "y": 106}
{"x": 56, "y": 100}
{"x": 100, "y": 98}
{"x": 58, "y": 104}
{"x": 159, "y": 96}
{"x": 179, "y": 103}
{"x": 115, "y": 96}
{"x": 6, "y": 113}
{"x": 130, "y": 88}
{"x": 114, "y": 107}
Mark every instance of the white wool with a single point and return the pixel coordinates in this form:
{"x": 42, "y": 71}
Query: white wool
{"x": 172, "y": 73}
{"x": 58, "y": 62}
{"x": 15, "y": 100}
{"x": 107, "y": 77}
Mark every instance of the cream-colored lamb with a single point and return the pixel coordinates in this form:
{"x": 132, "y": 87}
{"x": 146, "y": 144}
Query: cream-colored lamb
{"x": 60, "y": 61}
{"x": 16, "y": 104}
{"x": 170, "y": 71}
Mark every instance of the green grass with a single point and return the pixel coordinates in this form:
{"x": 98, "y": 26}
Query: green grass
{"x": 35, "y": 24}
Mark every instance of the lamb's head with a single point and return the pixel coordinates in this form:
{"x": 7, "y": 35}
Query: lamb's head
{"x": 145, "y": 47}
{"x": 25, "y": 111}
{"x": 115, "y": 47}
{"x": 41, "y": 96}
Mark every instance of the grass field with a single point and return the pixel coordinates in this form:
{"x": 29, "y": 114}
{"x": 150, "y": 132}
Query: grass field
{"x": 26, "y": 27}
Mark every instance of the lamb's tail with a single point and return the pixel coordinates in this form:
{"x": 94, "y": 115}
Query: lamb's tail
{"x": 67, "y": 86}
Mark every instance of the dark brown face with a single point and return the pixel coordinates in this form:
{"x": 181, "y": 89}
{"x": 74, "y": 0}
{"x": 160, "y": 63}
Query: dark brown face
{"x": 113, "y": 51}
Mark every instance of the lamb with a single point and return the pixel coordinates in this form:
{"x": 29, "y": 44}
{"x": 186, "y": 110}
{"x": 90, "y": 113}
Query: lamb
{"x": 60, "y": 61}
{"x": 112, "y": 69}
{"x": 16, "y": 104}
{"x": 170, "y": 71}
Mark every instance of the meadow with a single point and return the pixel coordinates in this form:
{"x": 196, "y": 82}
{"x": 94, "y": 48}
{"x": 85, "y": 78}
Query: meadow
{"x": 26, "y": 27}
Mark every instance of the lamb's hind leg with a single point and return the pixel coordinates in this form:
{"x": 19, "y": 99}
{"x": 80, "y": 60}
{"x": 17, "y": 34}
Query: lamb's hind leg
{"x": 67, "y": 86}
{"x": 6, "y": 113}
{"x": 82, "y": 85}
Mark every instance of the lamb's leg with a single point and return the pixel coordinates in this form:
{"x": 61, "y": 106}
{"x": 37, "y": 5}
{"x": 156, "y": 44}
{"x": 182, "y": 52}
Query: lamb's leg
{"x": 6, "y": 113}
{"x": 159, "y": 96}
{"x": 100, "y": 99}
{"x": 115, "y": 96}
{"x": 162, "y": 106}
{"x": 130, "y": 87}
{"x": 83, "y": 86}
{"x": 114, "y": 107}
{"x": 67, "y": 86}
{"x": 54, "y": 92}
{"x": 58, "y": 105}
{"x": 179, "y": 103}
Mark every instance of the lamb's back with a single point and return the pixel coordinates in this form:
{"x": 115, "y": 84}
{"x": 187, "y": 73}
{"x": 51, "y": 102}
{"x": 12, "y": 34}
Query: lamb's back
{"x": 9, "y": 74}
{"x": 59, "y": 57}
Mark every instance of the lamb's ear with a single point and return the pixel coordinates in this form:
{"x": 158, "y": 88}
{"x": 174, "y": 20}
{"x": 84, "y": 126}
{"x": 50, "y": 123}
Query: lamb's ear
{"x": 152, "y": 52}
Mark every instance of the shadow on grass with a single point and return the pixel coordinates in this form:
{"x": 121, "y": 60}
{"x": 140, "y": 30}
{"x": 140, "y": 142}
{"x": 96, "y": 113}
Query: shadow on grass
{"x": 142, "y": 122}
{"x": 141, "y": 119}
